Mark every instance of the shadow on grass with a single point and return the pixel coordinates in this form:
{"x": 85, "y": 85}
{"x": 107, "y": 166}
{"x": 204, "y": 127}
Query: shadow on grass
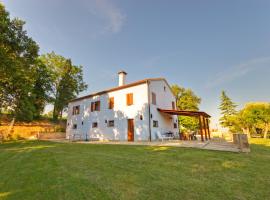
{"x": 31, "y": 148}
{"x": 24, "y": 146}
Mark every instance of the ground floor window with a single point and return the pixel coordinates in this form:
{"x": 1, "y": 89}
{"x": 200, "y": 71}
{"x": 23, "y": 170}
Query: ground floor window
{"x": 74, "y": 126}
{"x": 111, "y": 123}
{"x": 175, "y": 125}
{"x": 94, "y": 125}
{"x": 155, "y": 123}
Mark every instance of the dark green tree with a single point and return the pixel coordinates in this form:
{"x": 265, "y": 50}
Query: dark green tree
{"x": 18, "y": 53}
{"x": 42, "y": 88}
{"x": 67, "y": 81}
{"x": 228, "y": 110}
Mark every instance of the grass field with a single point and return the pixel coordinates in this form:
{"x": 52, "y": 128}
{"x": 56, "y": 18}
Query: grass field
{"x": 45, "y": 170}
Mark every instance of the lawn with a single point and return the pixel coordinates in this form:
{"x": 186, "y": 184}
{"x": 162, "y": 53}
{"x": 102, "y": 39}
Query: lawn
{"x": 47, "y": 170}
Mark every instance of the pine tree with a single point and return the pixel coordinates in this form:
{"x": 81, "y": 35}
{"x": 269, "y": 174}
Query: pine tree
{"x": 228, "y": 109}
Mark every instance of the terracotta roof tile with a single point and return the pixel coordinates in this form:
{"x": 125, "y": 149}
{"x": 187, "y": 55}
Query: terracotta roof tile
{"x": 119, "y": 88}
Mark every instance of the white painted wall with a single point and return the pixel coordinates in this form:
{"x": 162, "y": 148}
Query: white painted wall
{"x": 119, "y": 114}
{"x": 122, "y": 112}
{"x": 164, "y": 99}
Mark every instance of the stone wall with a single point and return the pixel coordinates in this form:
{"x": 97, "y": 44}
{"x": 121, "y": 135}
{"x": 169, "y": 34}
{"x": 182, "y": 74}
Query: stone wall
{"x": 241, "y": 140}
{"x": 46, "y": 136}
{"x": 28, "y": 130}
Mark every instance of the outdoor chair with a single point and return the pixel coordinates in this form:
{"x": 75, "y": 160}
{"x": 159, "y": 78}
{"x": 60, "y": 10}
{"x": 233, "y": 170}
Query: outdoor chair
{"x": 163, "y": 136}
{"x": 75, "y": 136}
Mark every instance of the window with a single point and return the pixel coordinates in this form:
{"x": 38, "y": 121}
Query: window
{"x": 94, "y": 125}
{"x": 154, "y": 99}
{"x": 174, "y": 125}
{"x": 74, "y": 126}
{"x": 164, "y": 88}
{"x": 111, "y": 102}
{"x": 130, "y": 99}
{"x": 173, "y": 105}
{"x": 111, "y": 123}
{"x": 76, "y": 110}
{"x": 141, "y": 117}
{"x": 95, "y": 106}
{"x": 82, "y": 122}
{"x": 155, "y": 124}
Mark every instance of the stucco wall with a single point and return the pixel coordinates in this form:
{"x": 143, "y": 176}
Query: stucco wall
{"x": 119, "y": 114}
{"x": 164, "y": 99}
{"x": 122, "y": 112}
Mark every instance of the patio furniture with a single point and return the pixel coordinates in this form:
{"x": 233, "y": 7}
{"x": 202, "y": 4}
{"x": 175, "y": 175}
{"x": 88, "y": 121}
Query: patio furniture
{"x": 192, "y": 136}
{"x": 169, "y": 134}
{"x": 94, "y": 138}
{"x": 75, "y": 136}
{"x": 163, "y": 136}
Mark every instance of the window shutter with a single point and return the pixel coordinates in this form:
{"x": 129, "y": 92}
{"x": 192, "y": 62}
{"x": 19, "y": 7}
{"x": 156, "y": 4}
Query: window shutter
{"x": 131, "y": 99}
{"x": 128, "y": 99}
{"x": 98, "y": 106}
{"x": 92, "y": 106}
{"x": 173, "y": 105}
{"x": 154, "y": 99}
{"x": 111, "y": 103}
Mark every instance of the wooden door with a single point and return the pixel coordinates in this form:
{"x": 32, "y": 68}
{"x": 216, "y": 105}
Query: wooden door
{"x": 130, "y": 129}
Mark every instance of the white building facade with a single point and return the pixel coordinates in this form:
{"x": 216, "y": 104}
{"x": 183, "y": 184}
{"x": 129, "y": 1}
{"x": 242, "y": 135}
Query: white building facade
{"x": 125, "y": 113}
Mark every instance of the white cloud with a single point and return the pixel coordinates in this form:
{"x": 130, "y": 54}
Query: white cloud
{"x": 239, "y": 70}
{"x": 108, "y": 12}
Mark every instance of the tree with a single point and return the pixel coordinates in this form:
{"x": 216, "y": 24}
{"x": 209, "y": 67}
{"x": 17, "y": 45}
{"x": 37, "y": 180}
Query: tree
{"x": 253, "y": 117}
{"x": 186, "y": 99}
{"x": 27, "y": 82}
{"x": 228, "y": 110}
{"x": 42, "y": 88}
{"x": 256, "y": 115}
{"x": 67, "y": 81}
{"x": 18, "y": 54}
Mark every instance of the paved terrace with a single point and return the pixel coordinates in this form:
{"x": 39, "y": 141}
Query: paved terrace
{"x": 217, "y": 145}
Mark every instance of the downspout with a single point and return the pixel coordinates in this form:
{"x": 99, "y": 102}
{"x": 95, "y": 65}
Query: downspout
{"x": 149, "y": 111}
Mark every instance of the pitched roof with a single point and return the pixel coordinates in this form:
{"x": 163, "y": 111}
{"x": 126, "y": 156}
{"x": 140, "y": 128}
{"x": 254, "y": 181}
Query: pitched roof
{"x": 120, "y": 88}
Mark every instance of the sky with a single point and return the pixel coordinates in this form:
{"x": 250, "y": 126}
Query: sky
{"x": 208, "y": 46}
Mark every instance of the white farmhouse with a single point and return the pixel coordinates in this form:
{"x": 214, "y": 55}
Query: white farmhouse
{"x": 128, "y": 112}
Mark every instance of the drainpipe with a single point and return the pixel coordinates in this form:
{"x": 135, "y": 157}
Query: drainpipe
{"x": 149, "y": 110}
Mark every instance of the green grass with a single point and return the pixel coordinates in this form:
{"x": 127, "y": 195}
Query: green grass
{"x": 45, "y": 170}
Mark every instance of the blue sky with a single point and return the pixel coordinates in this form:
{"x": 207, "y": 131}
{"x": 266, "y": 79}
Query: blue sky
{"x": 207, "y": 46}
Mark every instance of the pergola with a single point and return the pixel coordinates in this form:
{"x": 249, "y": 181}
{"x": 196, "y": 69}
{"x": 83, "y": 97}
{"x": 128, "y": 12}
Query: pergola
{"x": 202, "y": 116}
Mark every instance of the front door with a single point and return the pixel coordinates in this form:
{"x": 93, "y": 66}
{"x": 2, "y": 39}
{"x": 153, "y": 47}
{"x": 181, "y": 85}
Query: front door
{"x": 130, "y": 129}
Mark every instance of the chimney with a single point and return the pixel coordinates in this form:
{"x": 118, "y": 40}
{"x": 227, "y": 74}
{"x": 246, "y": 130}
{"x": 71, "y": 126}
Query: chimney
{"x": 122, "y": 78}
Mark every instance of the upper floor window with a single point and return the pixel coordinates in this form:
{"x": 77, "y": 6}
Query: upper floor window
{"x": 95, "y": 106}
{"x": 111, "y": 102}
{"x": 155, "y": 123}
{"x": 174, "y": 125}
{"x": 173, "y": 105}
{"x": 130, "y": 99}
{"x": 76, "y": 110}
{"x": 154, "y": 99}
